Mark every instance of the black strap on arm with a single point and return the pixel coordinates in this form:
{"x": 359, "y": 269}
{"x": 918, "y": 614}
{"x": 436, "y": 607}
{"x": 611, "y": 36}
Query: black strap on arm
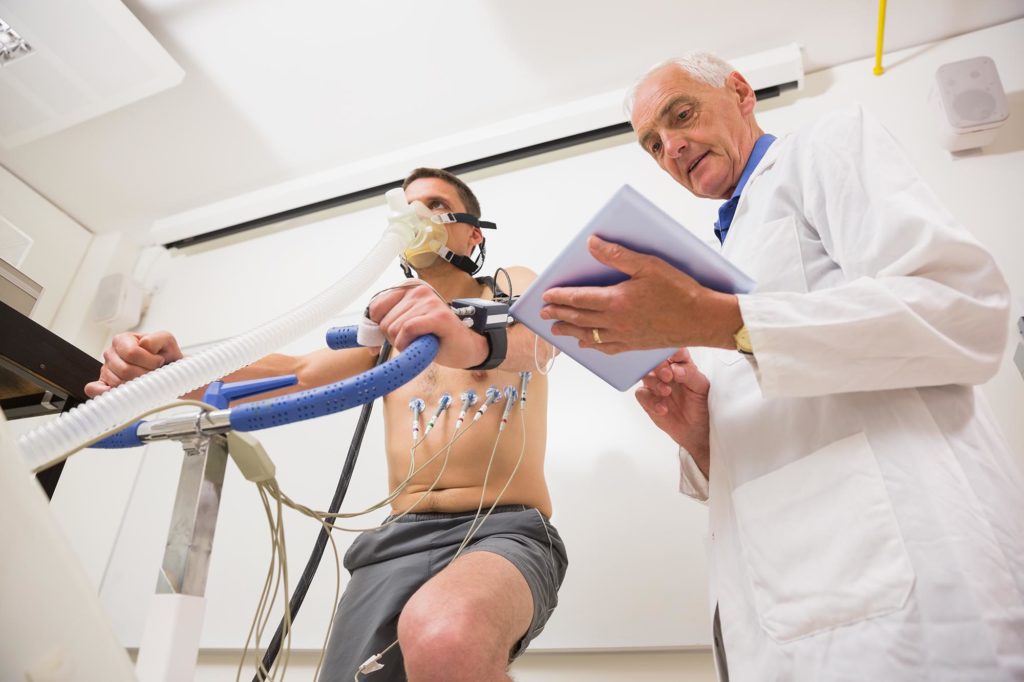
{"x": 490, "y": 320}
{"x": 497, "y": 349}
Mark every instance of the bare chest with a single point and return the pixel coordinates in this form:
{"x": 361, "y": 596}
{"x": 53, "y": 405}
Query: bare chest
{"x": 437, "y": 380}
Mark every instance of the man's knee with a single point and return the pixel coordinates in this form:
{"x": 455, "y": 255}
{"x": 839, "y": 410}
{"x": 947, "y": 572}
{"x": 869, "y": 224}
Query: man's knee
{"x": 450, "y": 644}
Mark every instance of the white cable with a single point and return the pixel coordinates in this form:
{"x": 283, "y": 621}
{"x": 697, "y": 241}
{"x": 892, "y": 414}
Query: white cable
{"x": 446, "y": 450}
{"x": 501, "y": 493}
{"x": 373, "y": 664}
{"x": 255, "y": 628}
{"x": 550, "y": 362}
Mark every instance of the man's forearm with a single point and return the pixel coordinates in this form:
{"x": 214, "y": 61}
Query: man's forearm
{"x": 272, "y": 365}
{"x": 311, "y": 370}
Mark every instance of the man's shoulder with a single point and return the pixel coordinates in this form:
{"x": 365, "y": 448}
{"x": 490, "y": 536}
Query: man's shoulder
{"x": 518, "y": 276}
{"x": 843, "y": 128}
{"x": 520, "y": 271}
{"x": 838, "y": 124}
{"x": 512, "y": 269}
{"x": 841, "y": 136}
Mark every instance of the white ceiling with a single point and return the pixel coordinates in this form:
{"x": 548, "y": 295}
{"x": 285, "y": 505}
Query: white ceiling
{"x": 277, "y": 90}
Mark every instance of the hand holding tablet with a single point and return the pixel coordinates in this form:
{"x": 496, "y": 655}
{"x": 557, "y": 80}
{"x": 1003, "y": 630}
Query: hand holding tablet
{"x": 631, "y": 221}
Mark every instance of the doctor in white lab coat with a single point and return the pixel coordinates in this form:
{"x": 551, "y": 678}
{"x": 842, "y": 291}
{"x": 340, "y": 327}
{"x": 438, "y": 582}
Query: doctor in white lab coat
{"x": 866, "y": 516}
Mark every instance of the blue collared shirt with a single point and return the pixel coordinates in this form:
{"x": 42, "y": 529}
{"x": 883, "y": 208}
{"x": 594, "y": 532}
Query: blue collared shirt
{"x": 727, "y": 210}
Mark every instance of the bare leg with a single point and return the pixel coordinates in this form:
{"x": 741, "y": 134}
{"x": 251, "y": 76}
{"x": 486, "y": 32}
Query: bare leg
{"x": 463, "y": 623}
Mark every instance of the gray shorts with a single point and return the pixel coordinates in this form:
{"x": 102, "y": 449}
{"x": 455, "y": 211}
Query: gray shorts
{"x": 389, "y": 565}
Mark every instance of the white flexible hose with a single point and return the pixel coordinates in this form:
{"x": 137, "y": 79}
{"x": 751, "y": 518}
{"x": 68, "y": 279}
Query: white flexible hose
{"x": 45, "y": 445}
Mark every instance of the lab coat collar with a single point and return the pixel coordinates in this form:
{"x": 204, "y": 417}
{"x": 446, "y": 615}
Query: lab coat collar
{"x": 767, "y": 161}
{"x": 757, "y": 154}
{"x": 728, "y": 210}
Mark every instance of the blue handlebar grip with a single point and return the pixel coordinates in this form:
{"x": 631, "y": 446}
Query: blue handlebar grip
{"x": 125, "y": 438}
{"x": 336, "y": 397}
{"x": 342, "y": 337}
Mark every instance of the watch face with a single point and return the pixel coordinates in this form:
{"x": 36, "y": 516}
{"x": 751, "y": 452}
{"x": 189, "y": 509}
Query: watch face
{"x": 742, "y": 338}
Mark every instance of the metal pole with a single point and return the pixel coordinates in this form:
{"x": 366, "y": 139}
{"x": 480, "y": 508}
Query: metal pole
{"x": 170, "y": 639}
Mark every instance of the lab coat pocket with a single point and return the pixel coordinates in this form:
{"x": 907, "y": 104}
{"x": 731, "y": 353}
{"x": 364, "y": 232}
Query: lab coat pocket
{"x": 821, "y": 542}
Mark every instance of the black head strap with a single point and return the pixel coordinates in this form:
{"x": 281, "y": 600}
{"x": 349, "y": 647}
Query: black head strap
{"x": 467, "y": 218}
{"x": 468, "y": 265}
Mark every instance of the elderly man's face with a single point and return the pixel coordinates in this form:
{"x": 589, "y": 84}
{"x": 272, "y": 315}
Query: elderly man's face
{"x": 699, "y": 134}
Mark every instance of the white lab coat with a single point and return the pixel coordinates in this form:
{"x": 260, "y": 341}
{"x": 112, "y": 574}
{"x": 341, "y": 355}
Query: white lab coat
{"x": 866, "y": 516}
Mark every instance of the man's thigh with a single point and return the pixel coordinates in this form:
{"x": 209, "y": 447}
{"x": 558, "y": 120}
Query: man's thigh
{"x": 507, "y": 579}
{"x": 480, "y": 593}
{"x": 501, "y": 591}
{"x": 367, "y": 616}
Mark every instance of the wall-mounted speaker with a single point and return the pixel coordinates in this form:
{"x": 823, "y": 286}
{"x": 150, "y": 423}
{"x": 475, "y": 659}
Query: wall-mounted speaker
{"x": 972, "y": 103}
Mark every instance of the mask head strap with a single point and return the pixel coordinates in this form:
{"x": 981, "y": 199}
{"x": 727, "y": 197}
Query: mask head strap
{"x": 467, "y": 218}
{"x": 465, "y": 263}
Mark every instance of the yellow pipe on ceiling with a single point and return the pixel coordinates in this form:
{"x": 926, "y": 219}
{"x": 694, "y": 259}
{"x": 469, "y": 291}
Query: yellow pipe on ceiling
{"x": 878, "y": 70}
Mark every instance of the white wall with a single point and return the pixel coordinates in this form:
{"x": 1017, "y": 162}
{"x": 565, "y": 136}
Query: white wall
{"x": 58, "y": 242}
{"x": 66, "y": 259}
{"x": 106, "y": 254}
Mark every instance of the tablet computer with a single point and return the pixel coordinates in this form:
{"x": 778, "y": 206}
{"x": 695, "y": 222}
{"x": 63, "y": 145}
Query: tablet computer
{"x": 633, "y": 221}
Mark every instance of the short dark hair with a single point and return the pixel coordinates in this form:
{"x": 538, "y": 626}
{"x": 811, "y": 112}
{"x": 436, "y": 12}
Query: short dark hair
{"x": 469, "y": 199}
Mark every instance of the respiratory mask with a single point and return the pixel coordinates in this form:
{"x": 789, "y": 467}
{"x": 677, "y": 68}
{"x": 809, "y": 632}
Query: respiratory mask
{"x": 431, "y": 234}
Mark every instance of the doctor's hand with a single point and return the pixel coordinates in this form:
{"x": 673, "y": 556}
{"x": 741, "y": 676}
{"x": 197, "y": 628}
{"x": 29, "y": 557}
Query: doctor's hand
{"x": 657, "y": 307}
{"x": 675, "y": 397}
{"x": 131, "y": 355}
{"x": 405, "y": 313}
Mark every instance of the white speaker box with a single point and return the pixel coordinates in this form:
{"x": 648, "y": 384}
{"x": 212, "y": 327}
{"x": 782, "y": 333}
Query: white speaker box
{"x": 972, "y": 103}
{"x": 118, "y": 302}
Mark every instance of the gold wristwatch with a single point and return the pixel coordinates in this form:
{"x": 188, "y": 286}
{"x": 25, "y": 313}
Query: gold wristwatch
{"x": 742, "y": 339}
